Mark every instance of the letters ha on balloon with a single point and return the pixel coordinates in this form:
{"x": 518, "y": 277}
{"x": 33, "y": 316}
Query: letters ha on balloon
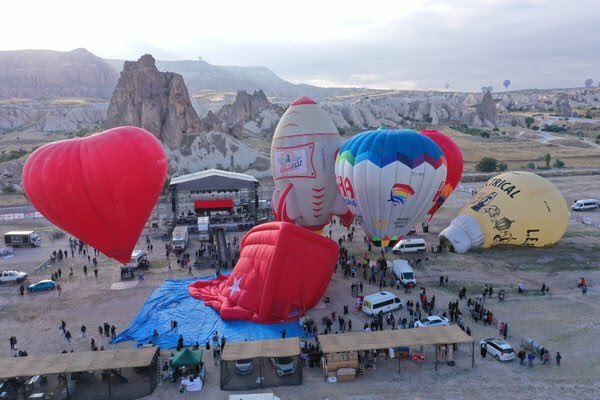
{"x": 390, "y": 179}
{"x": 101, "y": 188}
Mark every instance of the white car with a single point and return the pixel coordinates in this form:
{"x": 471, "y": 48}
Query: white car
{"x": 433, "y": 320}
{"x": 499, "y": 349}
{"x": 12, "y": 276}
{"x": 284, "y": 365}
{"x": 243, "y": 367}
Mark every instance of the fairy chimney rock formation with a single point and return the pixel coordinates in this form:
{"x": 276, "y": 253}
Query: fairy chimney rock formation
{"x": 156, "y": 101}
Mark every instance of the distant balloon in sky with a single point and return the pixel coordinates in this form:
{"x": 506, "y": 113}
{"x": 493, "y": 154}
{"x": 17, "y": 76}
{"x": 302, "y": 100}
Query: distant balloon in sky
{"x": 101, "y": 188}
{"x": 447, "y": 85}
{"x": 588, "y": 82}
{"x": 506, "y": 83}
{"x": 516, "y": 208}
{"x": 390, "y": 179}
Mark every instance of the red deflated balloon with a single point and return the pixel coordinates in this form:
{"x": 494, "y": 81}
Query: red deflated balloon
{"x": 100, "y": 188}
{"x": 454, "y": 160}
{"x": 282, "y": 272}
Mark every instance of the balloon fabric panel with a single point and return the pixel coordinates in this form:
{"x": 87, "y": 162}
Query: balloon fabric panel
{"x": 101, "y": 188}
{"x": 276, "y": 279}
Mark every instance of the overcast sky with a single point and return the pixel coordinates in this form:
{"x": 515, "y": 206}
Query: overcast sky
{"x": 397, "y": 44}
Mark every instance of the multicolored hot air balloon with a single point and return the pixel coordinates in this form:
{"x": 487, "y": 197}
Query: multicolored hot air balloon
{"x": 454, "y": 162}
{"x": 303, "y": 151}
{"x": 390, "y": 179}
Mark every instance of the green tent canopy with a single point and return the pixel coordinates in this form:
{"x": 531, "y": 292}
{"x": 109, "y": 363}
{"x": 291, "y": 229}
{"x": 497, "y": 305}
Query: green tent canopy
{"x": 187, "y": 357}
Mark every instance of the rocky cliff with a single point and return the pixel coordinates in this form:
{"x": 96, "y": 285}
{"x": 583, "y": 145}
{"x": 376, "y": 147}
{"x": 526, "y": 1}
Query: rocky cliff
{"x": 36, "y": 74}
{"x": 563, "y": 106}
{"x": 156, "y": 101}
{"x": 487, "y": 113}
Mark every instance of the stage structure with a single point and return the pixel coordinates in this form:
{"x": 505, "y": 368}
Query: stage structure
{"x": 213, "y": 191}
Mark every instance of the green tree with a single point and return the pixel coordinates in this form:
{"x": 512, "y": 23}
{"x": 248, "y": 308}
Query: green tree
{"x": 487, "y": 164}
{"x": 502, "y": 166}
{"x": 558, "y": 163}
{"x": 528, "y": 122}
{"x": 547, "y": 159}
{"x": 530, "y": 165}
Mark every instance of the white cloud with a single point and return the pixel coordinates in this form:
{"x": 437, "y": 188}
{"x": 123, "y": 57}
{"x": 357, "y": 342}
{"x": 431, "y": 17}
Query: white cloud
{"x": 467, "y": 43}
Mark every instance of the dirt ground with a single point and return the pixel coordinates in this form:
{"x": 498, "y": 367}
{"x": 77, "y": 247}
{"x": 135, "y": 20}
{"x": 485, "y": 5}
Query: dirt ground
{"x": 564, "y": 320}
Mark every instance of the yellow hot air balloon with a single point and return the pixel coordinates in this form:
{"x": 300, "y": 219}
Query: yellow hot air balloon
{"x": 517, "y": 208}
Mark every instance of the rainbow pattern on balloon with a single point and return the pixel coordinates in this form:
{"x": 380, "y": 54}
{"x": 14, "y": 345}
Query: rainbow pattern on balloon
{"x": 400, "y": 193}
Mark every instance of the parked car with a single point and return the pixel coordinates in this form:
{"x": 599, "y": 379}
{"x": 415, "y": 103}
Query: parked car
{"x": 433, "y": 320}
{"x": 12, "y": 276}
{"x": 243, "y": 367}
{"x": 500, "y": 349}
{"x": 46, "y": 284}
{"x": 284, "y": 365}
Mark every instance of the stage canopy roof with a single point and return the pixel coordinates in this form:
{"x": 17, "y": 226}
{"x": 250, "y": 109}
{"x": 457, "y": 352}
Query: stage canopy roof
{"x": 83, "y": 361}
{"x": 360, "y": 341}
{"x": 288, "y": 347}
{"x": 214, "y": 179}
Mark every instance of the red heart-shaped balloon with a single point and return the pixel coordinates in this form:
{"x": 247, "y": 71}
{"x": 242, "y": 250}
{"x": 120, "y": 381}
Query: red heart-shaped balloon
{"x": 101, "y": 188}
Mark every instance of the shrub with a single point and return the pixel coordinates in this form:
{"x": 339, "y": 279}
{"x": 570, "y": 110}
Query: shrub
{"x": 9, "y": 189}
{"x": 502, "y": 166}
{"x": 530, "y": 165}
{"x": 558, "y": 163}
{"x": 487, "y": 164}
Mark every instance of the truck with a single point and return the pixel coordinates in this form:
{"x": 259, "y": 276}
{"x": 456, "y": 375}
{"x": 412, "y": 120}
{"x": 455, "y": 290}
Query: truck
{"x": 180, "y": 237}
{"x": 22, "y": 238}
{"x": 203, "y": 228}
{"x": 12, "y": 276}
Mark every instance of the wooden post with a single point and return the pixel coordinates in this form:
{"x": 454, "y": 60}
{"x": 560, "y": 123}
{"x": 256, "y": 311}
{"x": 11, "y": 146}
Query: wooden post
{"x": 436, "y": 356}
{"x": 473, "y": 354}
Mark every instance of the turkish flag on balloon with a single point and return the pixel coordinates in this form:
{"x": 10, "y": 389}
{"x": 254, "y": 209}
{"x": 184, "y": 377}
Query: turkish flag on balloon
{"x": 100, "y": 188}
{"x": 282, "y": 272}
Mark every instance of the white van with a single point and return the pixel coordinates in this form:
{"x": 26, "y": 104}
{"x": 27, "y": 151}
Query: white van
{"x": 585, "y": 205}
{"x": 404, "y": 273}
{"x": 382, "y": 301}
{"x": 137, "y": 258}
{"x": 405, "y": 246}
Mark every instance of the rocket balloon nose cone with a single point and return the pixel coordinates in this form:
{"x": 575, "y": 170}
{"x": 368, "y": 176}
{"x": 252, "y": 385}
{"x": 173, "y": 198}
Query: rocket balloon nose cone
{"x": 303, "y": 101}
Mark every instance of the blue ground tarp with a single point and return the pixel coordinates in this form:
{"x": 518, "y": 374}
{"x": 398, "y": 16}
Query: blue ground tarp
{"x": 196, "y": 322}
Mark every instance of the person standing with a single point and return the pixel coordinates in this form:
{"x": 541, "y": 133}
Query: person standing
{"x": 558, "y": 357}
{"x": 83, "y": 331}
{"x": 96, "y": 272}
{"x": 68, "y": 336}
{"x": 505, "y": 330}
{"x": 85, "y": 271}
{"x": 113, "y": 332}
{"x": 58, "y": 288}
{"x": 521, "y": 356}
{"x": 531, "y": 357}
{"x": 483, "y": 350}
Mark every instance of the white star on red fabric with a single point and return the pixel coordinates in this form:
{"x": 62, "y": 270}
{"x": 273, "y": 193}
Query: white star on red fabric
{"x": 235, "y": 287}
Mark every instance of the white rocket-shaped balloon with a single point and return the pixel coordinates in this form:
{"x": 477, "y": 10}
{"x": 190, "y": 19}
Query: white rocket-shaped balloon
{"x": 303, "y": 152}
